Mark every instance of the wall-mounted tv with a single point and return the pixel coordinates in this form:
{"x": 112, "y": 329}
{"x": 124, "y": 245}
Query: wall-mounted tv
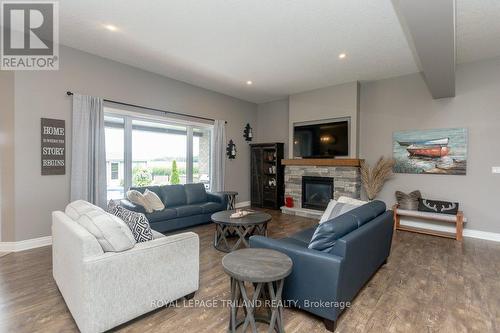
{"x": 327, "y": 139}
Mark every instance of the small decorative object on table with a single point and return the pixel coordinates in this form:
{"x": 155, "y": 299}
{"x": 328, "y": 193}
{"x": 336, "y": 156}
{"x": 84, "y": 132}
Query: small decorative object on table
{"x": 266, "y": 271}
{"x": 241, "y": 213}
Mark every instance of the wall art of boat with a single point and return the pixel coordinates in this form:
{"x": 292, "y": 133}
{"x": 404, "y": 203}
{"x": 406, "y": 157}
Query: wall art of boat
{"x": 435, "y": 142}
{"x": 431, "y": 151}
{"x": 428, "y": 151}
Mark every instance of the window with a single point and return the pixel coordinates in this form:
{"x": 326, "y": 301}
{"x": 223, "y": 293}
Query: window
{"x": 115, "y": 156}
{"x": 114, "y": 170}
{"x": 142, "y": 151}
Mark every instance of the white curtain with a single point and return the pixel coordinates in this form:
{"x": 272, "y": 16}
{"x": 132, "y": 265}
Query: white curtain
{"x": 218, "y": 165}
{"x": 88, "y": 154}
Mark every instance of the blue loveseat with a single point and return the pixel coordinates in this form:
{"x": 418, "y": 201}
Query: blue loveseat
{"x": 323, "y": 282}
{"x": 185, "y": 206}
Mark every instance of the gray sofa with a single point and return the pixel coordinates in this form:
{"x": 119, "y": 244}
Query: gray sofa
{"x": 354, "y": 245}
{"x": 185, "y": 206}
{"x": 105, "y": 289}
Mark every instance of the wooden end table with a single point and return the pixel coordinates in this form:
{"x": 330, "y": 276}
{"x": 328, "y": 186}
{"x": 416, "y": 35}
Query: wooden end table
{"x": 243, "y": 227}
{"x": 231, "y": 199}
{"x": 266, "y": 271}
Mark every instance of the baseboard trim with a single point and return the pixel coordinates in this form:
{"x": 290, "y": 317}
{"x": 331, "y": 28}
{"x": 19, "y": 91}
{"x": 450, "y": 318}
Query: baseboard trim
{"x": 470, "y": 233}
{"x": 25, "y": 244}
{"x": 243, "y": 204}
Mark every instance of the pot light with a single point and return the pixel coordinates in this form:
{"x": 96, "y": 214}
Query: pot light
{"x": 249, "y": 83}
{"x": 342, "y": 56}
{"x": 111, "y": 27}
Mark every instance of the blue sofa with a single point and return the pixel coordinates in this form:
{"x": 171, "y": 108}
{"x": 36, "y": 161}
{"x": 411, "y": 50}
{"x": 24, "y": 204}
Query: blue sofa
{"x": 185, "y": 206}
{"x": 354, "y": 246}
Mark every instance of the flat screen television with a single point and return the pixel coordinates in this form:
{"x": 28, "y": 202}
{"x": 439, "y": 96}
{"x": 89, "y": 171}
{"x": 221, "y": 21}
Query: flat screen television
{"x": 324, "y": 140}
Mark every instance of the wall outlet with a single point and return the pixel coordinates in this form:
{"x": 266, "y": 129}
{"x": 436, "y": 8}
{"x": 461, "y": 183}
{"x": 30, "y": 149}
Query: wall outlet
{"x": 495, "y": 169}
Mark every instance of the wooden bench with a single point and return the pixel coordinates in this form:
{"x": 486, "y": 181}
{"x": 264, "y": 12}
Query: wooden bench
{"x": 458, "y": 220}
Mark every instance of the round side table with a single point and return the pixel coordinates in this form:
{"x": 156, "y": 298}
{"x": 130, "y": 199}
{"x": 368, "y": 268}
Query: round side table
{"x": 252, "y": 224}
{"x": 266, "y": 271}
{"x": 231, "y": 199}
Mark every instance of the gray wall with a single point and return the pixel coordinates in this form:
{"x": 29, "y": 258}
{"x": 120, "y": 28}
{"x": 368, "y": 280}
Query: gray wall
{"x": 326, "y": 103}
{"x": 405, "y": 103}
{"x": 272, "y": 123}
{"x": 7, "y": 156}
{"x": 42, "y": 94}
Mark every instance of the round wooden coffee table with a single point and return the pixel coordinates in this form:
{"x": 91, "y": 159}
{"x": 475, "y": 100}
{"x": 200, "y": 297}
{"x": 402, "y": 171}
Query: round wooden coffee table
{"x": 266, "y": 271}
{"x": 226, "y": 227}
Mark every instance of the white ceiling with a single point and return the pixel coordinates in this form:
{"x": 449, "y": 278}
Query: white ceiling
{"x": 283, "y": 46}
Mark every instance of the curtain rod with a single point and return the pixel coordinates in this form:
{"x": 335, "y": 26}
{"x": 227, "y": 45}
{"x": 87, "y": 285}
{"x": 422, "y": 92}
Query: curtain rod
{"x": 69, "y": 93}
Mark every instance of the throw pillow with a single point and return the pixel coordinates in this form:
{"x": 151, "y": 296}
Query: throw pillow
{"x": 436, "y": 206}
{"x": 408, "y": 201}
{"x": 137, "y": 222}
{"x": 112, "y": 233}
{"x": 153, "y": 200}
{"x": 351, "y": 201}
{"x": 335, "y": 209}
{"x": 137, "y": 198}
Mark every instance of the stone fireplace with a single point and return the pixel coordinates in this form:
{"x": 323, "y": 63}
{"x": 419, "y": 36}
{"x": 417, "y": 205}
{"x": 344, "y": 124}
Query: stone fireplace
{"x": 343, "y": 175}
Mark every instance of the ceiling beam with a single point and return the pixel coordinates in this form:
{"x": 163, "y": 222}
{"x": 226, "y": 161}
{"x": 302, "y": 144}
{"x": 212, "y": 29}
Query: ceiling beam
{"x": 430, "y": 28}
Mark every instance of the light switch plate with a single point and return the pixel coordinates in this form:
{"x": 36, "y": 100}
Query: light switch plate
{"x": 495, "y": 169}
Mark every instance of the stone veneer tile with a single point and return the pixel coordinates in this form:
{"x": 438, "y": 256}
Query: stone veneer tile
{"x": 347, "y": 180}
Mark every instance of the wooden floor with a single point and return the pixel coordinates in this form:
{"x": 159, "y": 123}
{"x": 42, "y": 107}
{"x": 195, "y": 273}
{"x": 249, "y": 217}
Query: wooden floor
{"x": 430, "y": 284}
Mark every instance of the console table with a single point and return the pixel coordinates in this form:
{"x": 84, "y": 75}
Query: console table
{"x": 458, "y": 220}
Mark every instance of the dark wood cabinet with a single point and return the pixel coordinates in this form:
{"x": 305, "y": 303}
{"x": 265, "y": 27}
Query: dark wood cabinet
{"x": 267, "y": 175}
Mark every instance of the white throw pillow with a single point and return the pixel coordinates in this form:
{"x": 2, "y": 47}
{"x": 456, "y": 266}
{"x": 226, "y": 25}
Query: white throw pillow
{"x": 138, "y": 198}
{"x": 352, "y": 201}
{"x": 153, "y": 200}
{"x": 335, "y": 209}
{"x": 79, "y": 207}
{"x": 110, "y": 231}
{"x": 328, "y": 211}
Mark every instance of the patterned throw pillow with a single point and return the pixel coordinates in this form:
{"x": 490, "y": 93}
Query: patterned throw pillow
{"x": 437, "y": 206}
{"x": 137, "y": 222}
{"x": 408, "y": 201}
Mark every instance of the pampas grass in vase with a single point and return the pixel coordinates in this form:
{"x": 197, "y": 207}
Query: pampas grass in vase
{"x": 373, "y": 179}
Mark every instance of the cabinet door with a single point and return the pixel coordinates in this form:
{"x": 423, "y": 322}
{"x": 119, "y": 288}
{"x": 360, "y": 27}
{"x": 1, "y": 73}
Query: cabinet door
{"x": 256, "y": 176}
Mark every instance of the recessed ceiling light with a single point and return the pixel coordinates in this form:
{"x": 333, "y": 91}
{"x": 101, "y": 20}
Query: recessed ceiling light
{"x": 249, "y": 82}
{"x": 342, "y": 56}
{"x": 111, "y": 27}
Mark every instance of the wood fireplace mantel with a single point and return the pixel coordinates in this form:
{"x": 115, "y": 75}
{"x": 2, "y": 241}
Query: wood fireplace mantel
{"x": 340, "y": 162}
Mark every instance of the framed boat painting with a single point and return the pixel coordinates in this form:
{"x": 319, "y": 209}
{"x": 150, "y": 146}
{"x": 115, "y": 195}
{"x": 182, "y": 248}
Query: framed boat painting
{"x": 433, "y": 151}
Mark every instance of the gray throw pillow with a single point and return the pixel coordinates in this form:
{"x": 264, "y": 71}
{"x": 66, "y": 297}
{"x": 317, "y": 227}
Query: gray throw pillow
{"x": 408, "y": 201}
{"x": 137, "y": 222}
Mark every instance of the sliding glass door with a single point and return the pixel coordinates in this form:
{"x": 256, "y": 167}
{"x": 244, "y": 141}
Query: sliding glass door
{"x": 144, "y": 152}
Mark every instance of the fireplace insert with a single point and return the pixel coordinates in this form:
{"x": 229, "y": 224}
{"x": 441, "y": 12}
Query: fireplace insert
{"x": 316, "y": 192}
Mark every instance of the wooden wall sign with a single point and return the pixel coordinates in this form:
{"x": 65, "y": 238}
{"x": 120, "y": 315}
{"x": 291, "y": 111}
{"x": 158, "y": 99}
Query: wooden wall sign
{"x": 53, "y": 146}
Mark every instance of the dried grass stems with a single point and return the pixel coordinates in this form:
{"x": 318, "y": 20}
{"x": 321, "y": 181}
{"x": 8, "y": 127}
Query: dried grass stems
{"x": 373, "y": 179}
